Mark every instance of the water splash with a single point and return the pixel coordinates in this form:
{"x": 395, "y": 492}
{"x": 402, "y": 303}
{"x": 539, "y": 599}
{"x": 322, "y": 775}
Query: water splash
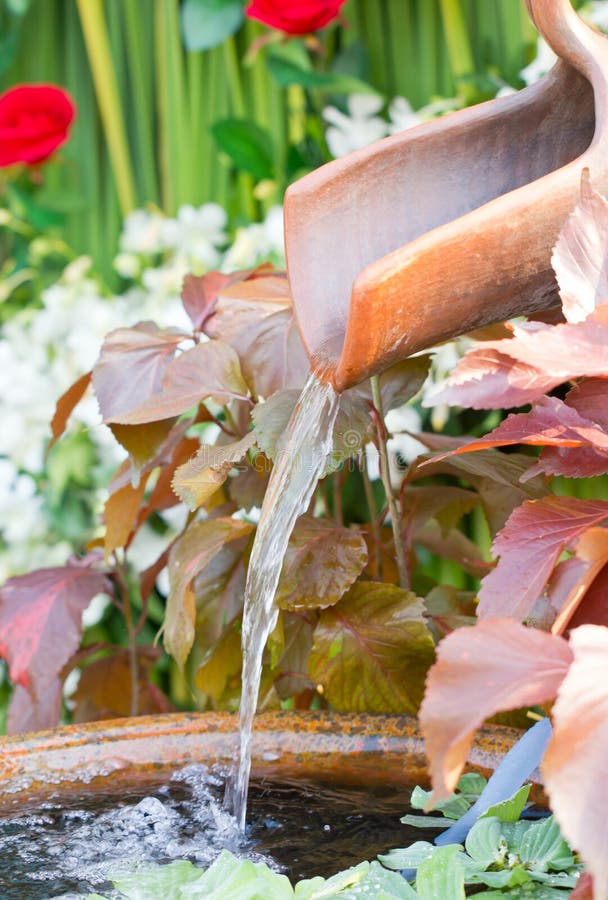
{"x": 299, "y": 465}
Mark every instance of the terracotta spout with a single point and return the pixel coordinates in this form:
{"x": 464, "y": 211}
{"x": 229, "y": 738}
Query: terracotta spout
{"x": 448, "y": 226}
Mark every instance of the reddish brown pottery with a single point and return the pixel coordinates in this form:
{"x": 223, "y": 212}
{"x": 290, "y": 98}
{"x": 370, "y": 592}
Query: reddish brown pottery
{"x": 322, "y": 746}
{"x": 448, "y": 226}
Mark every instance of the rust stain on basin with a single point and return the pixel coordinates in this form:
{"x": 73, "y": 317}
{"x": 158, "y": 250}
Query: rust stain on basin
{"x": 342, "y": 749}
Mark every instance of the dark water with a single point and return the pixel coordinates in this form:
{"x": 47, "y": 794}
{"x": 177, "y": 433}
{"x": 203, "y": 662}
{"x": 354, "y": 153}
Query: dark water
{"x": 300, "y": 829}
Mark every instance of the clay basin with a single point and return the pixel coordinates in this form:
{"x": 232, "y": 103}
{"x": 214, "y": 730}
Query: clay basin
{"x": 448, "y": 226}
{"x": 345, "y": 749}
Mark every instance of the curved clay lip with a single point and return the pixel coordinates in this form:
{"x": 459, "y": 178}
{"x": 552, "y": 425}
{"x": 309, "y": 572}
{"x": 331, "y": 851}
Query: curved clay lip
{"x": 322, "y": 746}
{"x": 448, "y": 226}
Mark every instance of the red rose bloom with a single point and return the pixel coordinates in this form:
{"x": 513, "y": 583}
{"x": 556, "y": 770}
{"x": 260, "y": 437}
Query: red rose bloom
{"x": 34, "y": 121}
{"x": 295, "y": 16}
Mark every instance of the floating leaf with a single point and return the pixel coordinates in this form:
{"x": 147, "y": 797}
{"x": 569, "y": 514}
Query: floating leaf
{"x": 41, "y": 626}
{"x": 509, "y": 810}
{"x": 372, "y": 649}
{"x": 199, "y": 478}
{"x": 189, "y": 555}
{"x": 322, "y": 561}
{"x": 494, "y": 666}
{"x": 579, "y": 256}
{"x": 442, "y": 875}
{"x": 529, "y": 546}
{"x": 574, "y": 765}
{"x": 483, "y": 840}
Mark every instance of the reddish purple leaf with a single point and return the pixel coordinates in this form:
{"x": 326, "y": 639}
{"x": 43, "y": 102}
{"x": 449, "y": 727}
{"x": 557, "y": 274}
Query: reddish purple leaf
{"x": 590, "y": 398}
{"x": 28, "y": 714}
{"x": 594, "y": 608}
{"x": 256, "y": 317}
{"x": 210, "y": 369}
{"x": 131, "y": 366}
{"x": 529, "y": 546}
{"x": 488, "y": 378}
{"x": 496, "y": 665}
{"x": 40, "y": 624}
{"x": 199, "y": 295}
{"x": 581, "y": 253}
{"x": 575, "y": 769}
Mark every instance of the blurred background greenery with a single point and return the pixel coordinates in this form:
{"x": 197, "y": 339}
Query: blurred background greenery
{"x": 148, "y": 97}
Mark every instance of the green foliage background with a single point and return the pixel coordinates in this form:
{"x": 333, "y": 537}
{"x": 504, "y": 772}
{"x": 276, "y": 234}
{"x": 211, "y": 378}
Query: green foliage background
{"x": 154, "y": 141}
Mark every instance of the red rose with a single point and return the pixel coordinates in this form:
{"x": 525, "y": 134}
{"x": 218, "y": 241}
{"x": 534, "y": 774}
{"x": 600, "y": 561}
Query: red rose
{"x": 34, "y": 121}
{"x": 295, "y": 16}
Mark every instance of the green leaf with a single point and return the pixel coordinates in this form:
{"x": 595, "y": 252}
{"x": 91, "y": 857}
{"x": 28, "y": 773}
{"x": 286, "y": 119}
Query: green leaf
{"x": 442, "y": 875}
{"x": 484, "y": 840}
{"x": 542, "y": 843}
{"x": 320, "y": 888}
{"x": 529, "y": 891}
{"x": 248, "y": 146}
{"x": 501, "y": 879}
{"x": 386, "y": 650}
{"x": 288, "y": 66}
{"x": 230, "y": 878}
{"x": 408, "y": 857}
{"x": 452, "y": 808}
{"x": 160, "y": 883}
{"x": 207, "y": 23}
{"x": 321, "y": 563}
{"x": 381, "y": 885}
{"x": 425, "y": 821}
{"x": 509, "y": 810}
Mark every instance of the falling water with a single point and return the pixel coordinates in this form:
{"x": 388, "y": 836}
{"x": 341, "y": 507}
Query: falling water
{"x": 297, "y": 469}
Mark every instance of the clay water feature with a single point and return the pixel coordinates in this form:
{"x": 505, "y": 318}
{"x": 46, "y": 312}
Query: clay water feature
{"x": 413, "y": 240}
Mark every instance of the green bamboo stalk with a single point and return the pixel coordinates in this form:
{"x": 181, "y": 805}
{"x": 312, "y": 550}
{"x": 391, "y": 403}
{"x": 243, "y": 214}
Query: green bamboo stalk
{"x": 245, "y": 182}
{"x": 375, "y": 35}
{"x": 106, "y": 90}
{"x": 141, "y": 71}
{"x": 427, "y": 22}
{"x": 458, "y": 44}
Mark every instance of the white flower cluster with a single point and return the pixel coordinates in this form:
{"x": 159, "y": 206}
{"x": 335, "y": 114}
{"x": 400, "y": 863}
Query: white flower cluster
{"x": 43, "y": 351}
{"x": 362, "y": 124}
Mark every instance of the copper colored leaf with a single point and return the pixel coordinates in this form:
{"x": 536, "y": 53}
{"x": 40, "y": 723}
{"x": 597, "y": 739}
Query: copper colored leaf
{"x": 222, "y": 667}
{"x": 162, "y": 495}
{"x": 41, "y": 624}
{"x": 290, "y": 672}
{"x": 120, "y": 516}
{"x": 446, "y": 504}
{"x": 495, "y": 665}
{"x": 323, "y": 560}
{"x": 270, "y": 420}
{"x": 574, "y": 768}
{"x": 199, "y": 295}
{"x": 453, "y": 544}
{"x": 372, "y": 649}
{"x": 189, "y": 556}
{"x": 105, "y": 687}
{"x": 219, "y": 590}
{"x": 143, "y": 442}
{"x": 486, "y": 378}
{"x": 207, "y": 370}
{"x": 196, "y": 480}
{"x": 256, "y": 318}
{"x": 590, "y": 398}
{"x": 550, "y": 422}
{"x": 592, "y": 554}
{"x": 131, "y": 366}
{"x": 580, "y": 254}
{"x": 65, "y": 407}
{"x": 529, "y": 546}
{"x": 594, "y": 609}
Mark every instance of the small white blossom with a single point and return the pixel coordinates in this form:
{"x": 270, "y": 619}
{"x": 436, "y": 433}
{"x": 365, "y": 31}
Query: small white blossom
{"x": 128, "y": 265}
{"x": 197, "y": 234}
{"x": 142, "y": 232}
{"x": 540, "y": 65}
{"x": 597, "y": 14}
{"x": 360, "y": 127}
{"x": 401, "y": 115}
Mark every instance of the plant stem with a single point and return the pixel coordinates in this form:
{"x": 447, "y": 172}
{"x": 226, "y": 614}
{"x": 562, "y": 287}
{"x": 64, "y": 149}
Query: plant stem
{"x": 337, "y": 497}
{"x": 459, "y": 47}
{"x": 394, "y": 506}
{"x": 123, "y": 585}
{"x": 373, "y": 518}
{"x": 106, "y": 90}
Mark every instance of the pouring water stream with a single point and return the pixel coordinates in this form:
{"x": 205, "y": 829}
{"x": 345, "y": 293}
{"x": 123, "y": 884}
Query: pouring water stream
{"x": 299, "y": 464}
